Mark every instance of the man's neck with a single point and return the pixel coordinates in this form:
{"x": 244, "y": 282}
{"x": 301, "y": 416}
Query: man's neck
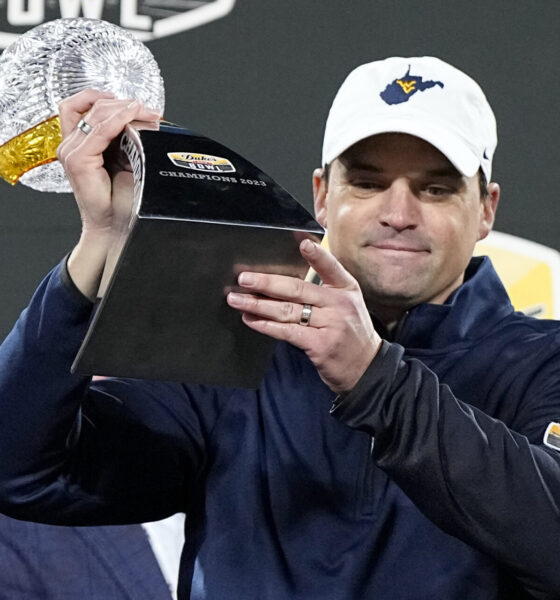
{"x": 387, "y": 324}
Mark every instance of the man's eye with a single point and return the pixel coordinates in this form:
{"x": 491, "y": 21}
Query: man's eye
{"x": 438, "y": 190}
{"x": 366, "y": 184}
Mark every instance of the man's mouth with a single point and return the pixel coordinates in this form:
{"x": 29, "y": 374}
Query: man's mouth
{"x": 398, "y": 247}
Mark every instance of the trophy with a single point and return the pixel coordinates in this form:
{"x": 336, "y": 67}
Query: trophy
{"x": 50, "y": 63}
{"x": 190, "y": 213}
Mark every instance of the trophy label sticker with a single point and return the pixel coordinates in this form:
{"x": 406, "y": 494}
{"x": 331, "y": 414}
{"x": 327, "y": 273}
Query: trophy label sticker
{"x": 146, "y": 19}
{"x": 552, "y": 436}
{"x": 201, "y": 162}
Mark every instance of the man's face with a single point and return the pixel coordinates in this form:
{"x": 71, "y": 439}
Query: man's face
{"x": 402, "y": 220}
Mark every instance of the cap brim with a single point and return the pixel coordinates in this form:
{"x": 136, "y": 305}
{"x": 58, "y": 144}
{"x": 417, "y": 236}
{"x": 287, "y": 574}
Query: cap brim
{"x": 448, "y": 143}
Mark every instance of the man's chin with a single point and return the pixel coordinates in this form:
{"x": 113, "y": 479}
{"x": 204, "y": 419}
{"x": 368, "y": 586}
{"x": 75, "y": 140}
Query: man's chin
{"x": 394, "y": 299}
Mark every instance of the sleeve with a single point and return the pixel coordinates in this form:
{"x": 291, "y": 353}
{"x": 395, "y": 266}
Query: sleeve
{"x": 470, "y": 474}
{"x": 77, "y": 452}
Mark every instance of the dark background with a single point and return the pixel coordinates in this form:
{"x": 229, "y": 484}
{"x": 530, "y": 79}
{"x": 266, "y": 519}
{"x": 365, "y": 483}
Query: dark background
{"x": 261, "y": 81}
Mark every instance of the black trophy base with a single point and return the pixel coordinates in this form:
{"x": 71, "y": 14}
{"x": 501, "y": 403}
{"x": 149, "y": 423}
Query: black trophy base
{"x": 165, "y": 314}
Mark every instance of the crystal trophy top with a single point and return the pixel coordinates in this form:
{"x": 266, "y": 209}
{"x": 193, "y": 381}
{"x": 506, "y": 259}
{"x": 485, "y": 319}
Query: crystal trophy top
{"x": 54, "y": 61}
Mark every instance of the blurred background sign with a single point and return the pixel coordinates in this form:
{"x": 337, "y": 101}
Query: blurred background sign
{"x": 146, "y": 18}
{"x": 529, "y": 271}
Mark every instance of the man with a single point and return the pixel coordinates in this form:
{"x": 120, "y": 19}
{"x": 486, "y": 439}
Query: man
{"x": 413, "y": 467}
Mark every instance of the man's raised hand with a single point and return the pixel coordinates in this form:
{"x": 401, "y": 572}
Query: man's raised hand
{"x": 339, "y": 336}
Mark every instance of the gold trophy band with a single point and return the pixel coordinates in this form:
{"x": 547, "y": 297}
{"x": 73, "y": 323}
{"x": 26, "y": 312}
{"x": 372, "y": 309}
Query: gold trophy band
{"x": 31, "y": 148}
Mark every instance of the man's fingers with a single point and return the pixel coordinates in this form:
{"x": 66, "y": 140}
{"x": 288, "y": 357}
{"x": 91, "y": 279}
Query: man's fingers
{"x": 283, "y": 287}
{"x": 95, "y": 107}
{"x": 71, "y": 109}
{"x": 328, "y": 268}
{"x": 299, "y": 336}
{"x": 125, "y": 110}
{"x": 107, "y": 121}
{"x": 276, "y": 310}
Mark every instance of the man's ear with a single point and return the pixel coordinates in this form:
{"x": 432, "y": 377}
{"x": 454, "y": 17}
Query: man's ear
{"x": 488, "y": 210}
{"x": 320, "y": 197}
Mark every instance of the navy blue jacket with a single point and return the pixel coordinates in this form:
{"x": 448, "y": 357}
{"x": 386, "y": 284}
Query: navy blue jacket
{"x": 429, "y": 480}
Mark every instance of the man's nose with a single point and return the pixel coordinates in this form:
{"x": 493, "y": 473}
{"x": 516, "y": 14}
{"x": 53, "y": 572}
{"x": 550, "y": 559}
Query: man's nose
{"x": 399, "y": 208}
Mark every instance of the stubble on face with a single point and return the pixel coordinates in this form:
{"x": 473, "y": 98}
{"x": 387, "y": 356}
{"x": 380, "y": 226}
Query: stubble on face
{"x": 402, "y": 220}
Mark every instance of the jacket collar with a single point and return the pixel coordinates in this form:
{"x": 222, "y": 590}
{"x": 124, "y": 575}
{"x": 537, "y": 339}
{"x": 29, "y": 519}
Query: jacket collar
{"x": 467, "y": 315}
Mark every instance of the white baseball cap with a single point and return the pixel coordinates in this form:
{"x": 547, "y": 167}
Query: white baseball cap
{"x": 422, "y": 96}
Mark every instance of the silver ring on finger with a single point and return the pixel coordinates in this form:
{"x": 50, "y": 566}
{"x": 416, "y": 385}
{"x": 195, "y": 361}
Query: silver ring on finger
{"x": 84, "y": 126}
{"x": 305, "y": 315}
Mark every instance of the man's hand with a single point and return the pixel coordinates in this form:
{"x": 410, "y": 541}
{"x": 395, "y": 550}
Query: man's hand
{"x": 81, "y": 155}
{"x": 339, "y": 339}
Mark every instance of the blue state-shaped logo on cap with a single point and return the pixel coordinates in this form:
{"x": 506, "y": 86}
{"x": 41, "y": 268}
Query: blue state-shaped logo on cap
{"x": 402, "y": 89}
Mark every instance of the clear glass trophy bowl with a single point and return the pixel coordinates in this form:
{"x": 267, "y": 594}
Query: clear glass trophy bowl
{"x": 58, "y": 59}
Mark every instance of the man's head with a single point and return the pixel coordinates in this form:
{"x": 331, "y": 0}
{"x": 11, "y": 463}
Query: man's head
{"x": 406, "y": 144}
